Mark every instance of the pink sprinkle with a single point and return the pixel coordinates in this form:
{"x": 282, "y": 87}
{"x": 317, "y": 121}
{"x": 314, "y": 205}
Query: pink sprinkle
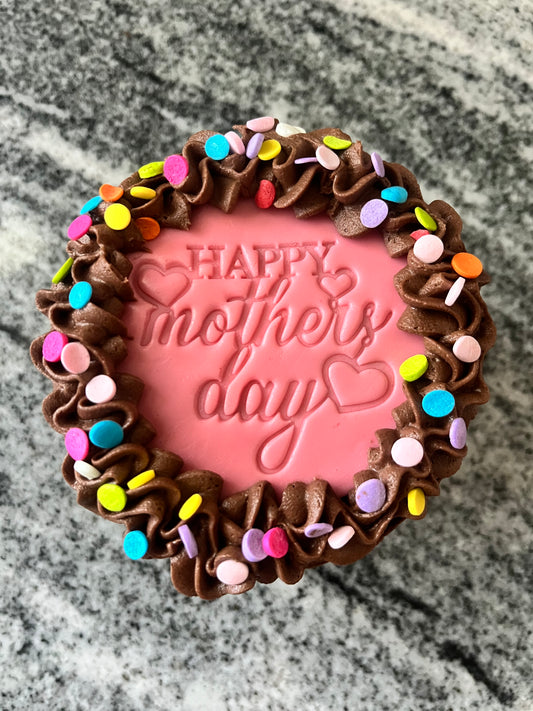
{"x": 455, "y": 291}
{"x": 327, "y": 158}
{"x": 341, "y": 536}
{"x": 75, "y": 358}
{"x": 53, "y": 344}
{"x": 419, "y": 233}
{"x": 232, "y": 572}
{"x": 374, "y": 212}
{"x": 79, "y": 226}
{"x": 428, "y": 248}
{"x": 101, "y": 388}
{"x": 176, "y": 169}
{"x": 77, "y": 443}
{"x": 276, "y": 543}
{"x": 407, "y": 452}
{"x": 260, "y": 124}
{"x": 265, "y": 195}
{"x": 377, "y": 162}
{"x": 235, "y": 143}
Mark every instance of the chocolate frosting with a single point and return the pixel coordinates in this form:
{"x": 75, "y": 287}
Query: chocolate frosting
{"x": 100, "y": 257}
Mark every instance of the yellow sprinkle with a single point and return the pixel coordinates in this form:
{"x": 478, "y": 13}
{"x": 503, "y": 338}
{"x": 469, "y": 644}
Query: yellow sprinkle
{"x": 337, "y": 144}
{"x": 151, "y": 169}
{"x": 140, "y": 479}
{"x": 269, "y": 149}
{"x": 112, "y": 497}
{"x": 62, "y": 271}
{"x": 117, "y": 216}
{"x": 414, "y": 367}
{"x": 425, "y": 219}
{"x": 190, "y": 507}
{"x": 142, "y": 193}
{"x": 416, "y": 502}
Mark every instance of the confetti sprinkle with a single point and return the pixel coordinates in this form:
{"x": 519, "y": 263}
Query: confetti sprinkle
{"x": 217, "y": 147}
{"x": 100, "y": 389}
{"x": 110, "y": 193}
{"x": 261, "y": 124}
{"x": 79, "y": 227}
{"x": 141, "y": 479}
{"x": 106, "y": 434}
{"x": 377, "y": 163}
{"x": 438, "y": 403}
{"x": 235, "y": 143}
{"x": 286, "y": 129}
{"x": 63, "y": 270}
{"x": 148, "y": 227}
{"x": 373, "y": 213}
{"x": 150, "y": 170}
{"x": 143, "y": 193}
{"x": 252, "y": 545}
{"x": 117, "y": 216}
{"x": 75, "y": 358}
{"x": 80, "y": 294}
{"x": 254, "y": 145}
{"x": 77, "y": 443}
{"x": 135, "y": 545}
{"x": 190, "y": 507}
{"x": 407, "y": 452}
{"x": 265, "y": 195}
{"x": 86, "y": 470}
{"x": 395, "y": 194}
{"x": 176, "y": 169}
{"x": 467, "y": 265}
{"x": 269, "y": 149}
{"x": 276, "y": 543}
{"x": 416, "y": 502}
{"x": 336, "y": 144}
{"x": 341, "y": 536}
{"x": 112, "y": 497}
{"x": 188, "y": 540}
{"x": 414, "y": 367}
{"x": 327, "y": 158}
{"x": 458, "y": 433}
{"x": 371, "y": 495}
{"x": 466, "y": 349}
{"x": 425, "y": 219}
{"x": 91, "y": 204}
{"x": 429, "y": 249}
{"x": 53, "y": 344}
{"x": 315, "y": 530}
{"x": 454, "y": 291}
{"x": 232, "y": 572}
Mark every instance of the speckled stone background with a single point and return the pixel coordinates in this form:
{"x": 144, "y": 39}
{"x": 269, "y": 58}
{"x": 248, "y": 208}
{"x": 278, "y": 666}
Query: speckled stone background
{"x": 440, "y": 615}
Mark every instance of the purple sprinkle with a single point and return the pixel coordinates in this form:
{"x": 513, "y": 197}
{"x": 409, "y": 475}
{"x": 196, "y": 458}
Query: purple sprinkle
{"x": 374, "y": 212}
{"x": 254, "y": 145}
{"x": 458, "y": 433}
{"x": 370, "y": 495}
{"x": 314, "y": 530}
{"x": 252, "y": 545}
{"x": 188, "y": 540}
{"x": 377, "y": 162}
{"x": 309, "y": 159}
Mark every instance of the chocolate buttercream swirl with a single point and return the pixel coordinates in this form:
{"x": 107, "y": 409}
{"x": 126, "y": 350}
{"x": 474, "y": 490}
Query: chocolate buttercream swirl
{"x": 218, "y": 526}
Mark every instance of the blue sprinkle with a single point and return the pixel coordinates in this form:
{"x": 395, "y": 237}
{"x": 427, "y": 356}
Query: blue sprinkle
{"x": 135, "y": 544}
{"x": 217, "y": 146}
{"x": 106, "y": 434}
{"x": 80, "y": 294}
{"x": 438, "y": 403}
{"x": 394, "y": 194}
{"x": 91, "y": 204}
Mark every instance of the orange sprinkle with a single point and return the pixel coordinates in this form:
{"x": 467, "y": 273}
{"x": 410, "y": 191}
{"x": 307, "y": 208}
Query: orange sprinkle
{"x": 467, "y": 265}
{"x": 110, "y": 193}
{"x": 148, "y": 227}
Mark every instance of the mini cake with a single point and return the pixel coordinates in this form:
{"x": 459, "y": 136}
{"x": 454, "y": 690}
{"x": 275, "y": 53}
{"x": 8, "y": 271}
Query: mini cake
{"x": 266, "y": 351}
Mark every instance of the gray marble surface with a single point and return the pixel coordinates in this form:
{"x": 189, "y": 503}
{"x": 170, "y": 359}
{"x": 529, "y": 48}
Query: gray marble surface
{"x": 440, "y": 615}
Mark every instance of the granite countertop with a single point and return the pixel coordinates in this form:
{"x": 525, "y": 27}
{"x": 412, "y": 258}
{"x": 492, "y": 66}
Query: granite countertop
{"x": 439, "y": 616}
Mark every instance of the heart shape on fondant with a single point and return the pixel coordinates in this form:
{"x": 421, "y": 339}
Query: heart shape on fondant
{"x": 161, "y": 286}
{"x": 354, "y": 387}
{"x": 338, "y": 283}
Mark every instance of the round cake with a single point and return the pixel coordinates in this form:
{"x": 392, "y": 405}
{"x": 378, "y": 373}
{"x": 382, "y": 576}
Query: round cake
{"x": 266, "y": 351}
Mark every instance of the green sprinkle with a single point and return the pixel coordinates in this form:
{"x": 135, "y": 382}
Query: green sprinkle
{"x": 62, "y": 271}
{"x": 425, "y": 219}
{"x": 151, "y": 169}
{"x": 414, "y": 367}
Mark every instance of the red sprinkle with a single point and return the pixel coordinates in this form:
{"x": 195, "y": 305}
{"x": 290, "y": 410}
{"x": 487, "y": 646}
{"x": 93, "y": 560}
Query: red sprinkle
{"x": 265, "y": 195}
{"x": 275, "y": 542}
{"x": 419, "y": 233}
